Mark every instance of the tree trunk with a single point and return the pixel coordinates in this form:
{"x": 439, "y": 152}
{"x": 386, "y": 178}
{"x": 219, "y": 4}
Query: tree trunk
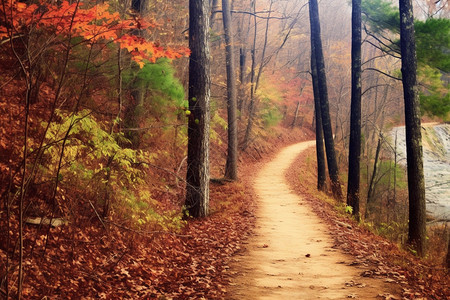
{"x": 214, "y": 9}
{"x": 242, "y": 62}
{"x": 295, "y": 115}
{"x": 374, "y": 174}
{"x": 231, "y": 165}
{"x": 416, "y": 185}
{"x": 263, "y": 54}
{"x": 197, "y": 176}
{"x": 134, "y": 108}
{"x": 251, "y": 106}
{"x": 447, "y": 260}
{"x": 333, "y": 169}
{"x": 395, "y": 169}
{"x": 242, "y": 80}
{"x": 354, "y": 155}
{"x": 252, "y": 109}
{"x": 321, "y": 175}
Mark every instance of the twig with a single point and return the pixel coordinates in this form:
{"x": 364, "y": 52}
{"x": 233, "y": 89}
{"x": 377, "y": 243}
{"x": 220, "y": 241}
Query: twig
{"x": 152, "y": 127}
{"x": 255, "y": 14}
{"x": 179, "y": 168}
{"x": 98, "y": 216}
{"x": 372, "y": 87}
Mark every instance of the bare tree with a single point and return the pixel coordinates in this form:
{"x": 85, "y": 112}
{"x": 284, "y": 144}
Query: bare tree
{"x": 251, "y": 106}
{"x": 231, "y": 165}
{"x": 254, "y": 86}
{"x": 333, "y": 169}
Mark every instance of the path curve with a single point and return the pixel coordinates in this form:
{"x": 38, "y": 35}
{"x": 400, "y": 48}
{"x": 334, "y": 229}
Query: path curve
{"x": 291, "y": 255}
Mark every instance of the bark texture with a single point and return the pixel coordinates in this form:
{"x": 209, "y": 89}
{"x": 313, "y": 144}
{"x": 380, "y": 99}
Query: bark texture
{"x": 416, "y": 185}
{"x": 197, "y": 176}
{"x": 231, "y": 164}
{"x": 333, "y": 169}
{"x": 354, "y": 155}
{"x": 321, "y": 175}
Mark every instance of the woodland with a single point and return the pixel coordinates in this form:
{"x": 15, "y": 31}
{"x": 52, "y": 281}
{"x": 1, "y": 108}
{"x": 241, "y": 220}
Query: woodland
{"x": 131, "y": 130}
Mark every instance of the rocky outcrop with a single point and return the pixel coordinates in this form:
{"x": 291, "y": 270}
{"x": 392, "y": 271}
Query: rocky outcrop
{"x": 436, "y": 161}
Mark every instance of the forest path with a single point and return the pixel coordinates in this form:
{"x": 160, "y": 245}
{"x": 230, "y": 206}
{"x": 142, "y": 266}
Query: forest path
{"x": 291, "y": 254}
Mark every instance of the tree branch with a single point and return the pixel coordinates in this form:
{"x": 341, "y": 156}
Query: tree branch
{"x": 372, "y": 87}
{"x": 386, "y": 74}
{"x": 255, "y": 14}
{"x": 381, "y": 42}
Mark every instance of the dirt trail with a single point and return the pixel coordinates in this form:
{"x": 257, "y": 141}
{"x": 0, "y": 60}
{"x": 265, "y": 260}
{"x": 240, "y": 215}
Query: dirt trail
{"x": 291, "y": 255}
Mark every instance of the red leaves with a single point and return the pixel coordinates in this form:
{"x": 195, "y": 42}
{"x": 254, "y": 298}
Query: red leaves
{"x": 96, "y": 24}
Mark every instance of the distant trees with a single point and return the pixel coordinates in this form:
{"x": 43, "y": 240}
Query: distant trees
{"x": 197, "y": 176}
{"x": 416, "y": 182}
{"x": 333, "y": 169}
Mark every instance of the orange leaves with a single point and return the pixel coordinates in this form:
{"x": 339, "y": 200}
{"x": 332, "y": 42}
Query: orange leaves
{"x": 143, "y": 50}
{"x": 95, "y": 24}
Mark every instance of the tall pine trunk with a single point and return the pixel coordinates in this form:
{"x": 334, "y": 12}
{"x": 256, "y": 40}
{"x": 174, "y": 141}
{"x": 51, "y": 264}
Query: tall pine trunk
{"x": 197, "y": 176}
{"x": 321, "y": 175}
{"x": 354, "y": 154}
{"x": 333, "y": 169}
{"x": 416, "y": 185}
{"x": 231, "y": 164}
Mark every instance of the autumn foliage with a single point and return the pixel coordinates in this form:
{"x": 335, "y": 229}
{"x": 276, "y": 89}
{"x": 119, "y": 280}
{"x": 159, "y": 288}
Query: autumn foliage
{"x": 70, "y": 71}
{"x": 93, "y": 131}
{"x": 93, "y": 23}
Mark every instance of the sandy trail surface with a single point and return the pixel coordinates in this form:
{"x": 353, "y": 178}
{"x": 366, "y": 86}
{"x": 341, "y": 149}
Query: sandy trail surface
{"x": 291, "y": 255}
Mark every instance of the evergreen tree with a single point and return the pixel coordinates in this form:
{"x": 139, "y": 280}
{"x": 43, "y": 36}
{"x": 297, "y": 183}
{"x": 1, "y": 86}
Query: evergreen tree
{"x": 432, "y": 50}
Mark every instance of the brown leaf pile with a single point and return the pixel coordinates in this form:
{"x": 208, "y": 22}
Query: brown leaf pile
{"x": 89, "y": 262}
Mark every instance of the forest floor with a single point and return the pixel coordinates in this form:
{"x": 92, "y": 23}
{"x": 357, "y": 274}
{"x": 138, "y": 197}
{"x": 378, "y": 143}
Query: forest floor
{"x": 302, "y": 248}
{"x": 292, "y": 255}
{"x": 246, "y": 248}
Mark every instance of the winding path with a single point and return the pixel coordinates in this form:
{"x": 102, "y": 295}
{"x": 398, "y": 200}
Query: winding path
{"x": 291, "y": 255}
